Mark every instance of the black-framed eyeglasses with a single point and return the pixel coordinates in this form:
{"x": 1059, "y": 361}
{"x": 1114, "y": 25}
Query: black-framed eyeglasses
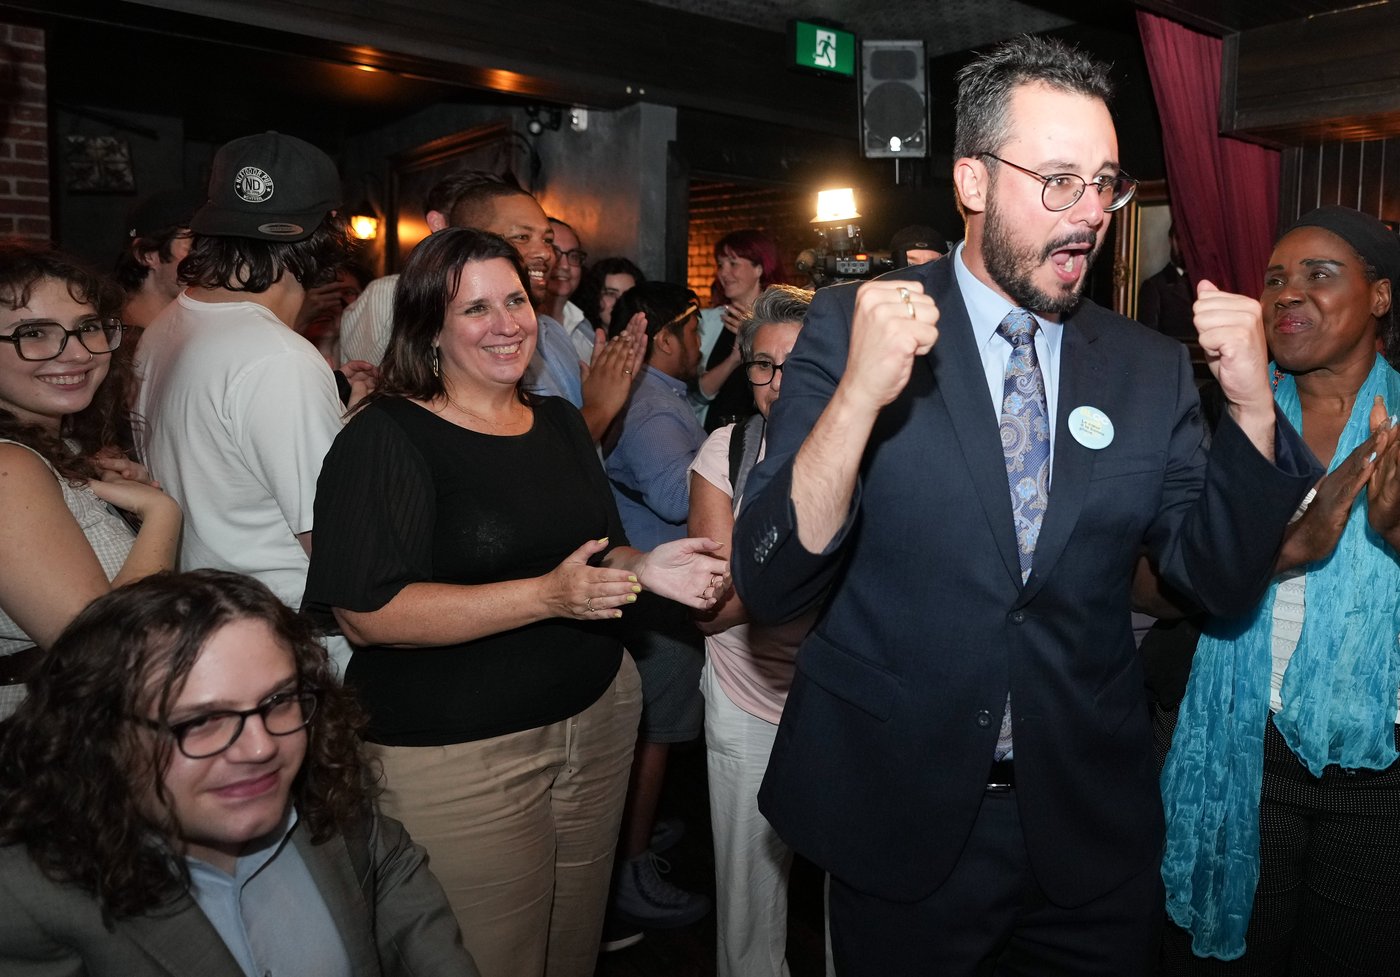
{"x": 574, "y": 256}
{"x": 45, "y": 339}
{"x": 761, "y": 372}
{"x": 210, "y": 734}
{"x": 1061, "y": 191}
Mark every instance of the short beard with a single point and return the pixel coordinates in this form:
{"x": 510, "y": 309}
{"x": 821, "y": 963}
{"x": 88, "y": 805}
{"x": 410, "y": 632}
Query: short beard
{"x": 1012, "y": 266}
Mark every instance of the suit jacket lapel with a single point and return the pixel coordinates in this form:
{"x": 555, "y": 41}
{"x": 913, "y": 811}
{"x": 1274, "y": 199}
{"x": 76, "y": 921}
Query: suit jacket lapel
{"x": 332, "y": 869}
{"x": 960, "y": 380}
{"x": 182, "y": 940}
{"x": 1080, "y": 367}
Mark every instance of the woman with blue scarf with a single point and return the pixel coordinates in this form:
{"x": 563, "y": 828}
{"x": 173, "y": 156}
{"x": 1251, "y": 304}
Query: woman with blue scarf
{"x": 1282, "y": 791}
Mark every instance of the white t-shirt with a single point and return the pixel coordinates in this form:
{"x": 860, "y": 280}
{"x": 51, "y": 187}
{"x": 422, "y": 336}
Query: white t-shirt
{"x": 239, "y": 412}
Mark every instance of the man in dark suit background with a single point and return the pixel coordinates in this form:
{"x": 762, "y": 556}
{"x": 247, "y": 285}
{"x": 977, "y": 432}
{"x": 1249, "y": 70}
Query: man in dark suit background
{"x": 1164, "y": 301}
{"x": 964, "y": 467}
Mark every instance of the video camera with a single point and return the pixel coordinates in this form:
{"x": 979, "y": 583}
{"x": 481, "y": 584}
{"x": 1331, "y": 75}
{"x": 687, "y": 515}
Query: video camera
{"x": 840, "y": 255}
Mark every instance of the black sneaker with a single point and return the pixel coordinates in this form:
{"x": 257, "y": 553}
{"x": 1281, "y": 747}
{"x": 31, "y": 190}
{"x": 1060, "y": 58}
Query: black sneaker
{"x": 642, "y": 897}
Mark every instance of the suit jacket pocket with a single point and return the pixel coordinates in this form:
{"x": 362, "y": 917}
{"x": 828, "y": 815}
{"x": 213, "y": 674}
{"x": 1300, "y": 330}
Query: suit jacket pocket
{"x": 849, "y": 677}
{"x": 1114, "y": 466}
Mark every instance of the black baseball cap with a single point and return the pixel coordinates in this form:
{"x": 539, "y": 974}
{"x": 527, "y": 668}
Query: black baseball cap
{"x": 270, "y": 186}
{"x": 164, "y": 210}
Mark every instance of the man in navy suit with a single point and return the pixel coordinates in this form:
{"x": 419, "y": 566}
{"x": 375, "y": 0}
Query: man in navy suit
{"x": 966, "y": 746}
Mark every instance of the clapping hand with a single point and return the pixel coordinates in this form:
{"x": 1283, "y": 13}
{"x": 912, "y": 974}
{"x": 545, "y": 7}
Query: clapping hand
{"x": 685, "y": 571}
{"x": 574, "y": 589}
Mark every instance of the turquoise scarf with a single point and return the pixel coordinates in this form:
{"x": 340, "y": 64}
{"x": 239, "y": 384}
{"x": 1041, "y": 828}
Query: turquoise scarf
{"x": 1339, "y": 695}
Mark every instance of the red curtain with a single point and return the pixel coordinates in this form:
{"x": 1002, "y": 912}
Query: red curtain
{"x": 1224, "y": 192}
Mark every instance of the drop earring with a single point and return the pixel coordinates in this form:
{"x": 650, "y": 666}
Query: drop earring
{"x": 436, "y": 371}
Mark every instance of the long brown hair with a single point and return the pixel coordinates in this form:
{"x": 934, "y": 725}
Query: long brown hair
{"x": 73, "y": 769}
{"x": 105, "y": 423}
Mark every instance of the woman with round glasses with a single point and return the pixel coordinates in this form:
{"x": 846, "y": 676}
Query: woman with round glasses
{"x": 66, "y": 476}
{"x": 748, "y": 668}
{"x": 184, "y": 793}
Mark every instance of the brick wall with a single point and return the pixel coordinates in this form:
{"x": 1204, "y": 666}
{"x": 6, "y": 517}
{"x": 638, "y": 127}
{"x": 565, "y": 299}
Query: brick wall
{"x": 24, "y": 134}
{"x": 716, "y": 209}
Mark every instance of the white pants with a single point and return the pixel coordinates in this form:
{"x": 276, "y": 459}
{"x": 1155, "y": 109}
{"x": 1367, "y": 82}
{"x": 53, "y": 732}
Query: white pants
{"x": 751, "y": 861}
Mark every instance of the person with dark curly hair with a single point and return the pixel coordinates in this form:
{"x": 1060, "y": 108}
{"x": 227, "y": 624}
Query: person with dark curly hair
{"x": 183, "y": 793}
{"x": 239, "y": 409}
{"x": 65, "y": 458}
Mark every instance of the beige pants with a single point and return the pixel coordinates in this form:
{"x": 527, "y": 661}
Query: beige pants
{"x": 521, "y": 829}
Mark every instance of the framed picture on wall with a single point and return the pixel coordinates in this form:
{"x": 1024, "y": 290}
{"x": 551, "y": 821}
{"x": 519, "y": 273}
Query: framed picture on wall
{"x": 1149, "y": 284}
{"x": 412, "y": 173}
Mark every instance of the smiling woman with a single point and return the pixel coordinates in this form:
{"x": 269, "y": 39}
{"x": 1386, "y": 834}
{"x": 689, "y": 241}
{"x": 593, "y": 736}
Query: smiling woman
{"x": 184, "y": 793}
{"x": 469, "y": 548}
{"x": 65, "y": 441}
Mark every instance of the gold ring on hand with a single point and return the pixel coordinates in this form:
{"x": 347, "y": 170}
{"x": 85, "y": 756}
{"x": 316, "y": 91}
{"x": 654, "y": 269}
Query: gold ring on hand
{"x": 589, "y": 604}
{"x": 908, "y": 302}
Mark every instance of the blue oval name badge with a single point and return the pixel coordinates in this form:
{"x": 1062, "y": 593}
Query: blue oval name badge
{"x": 1091, "y": 427}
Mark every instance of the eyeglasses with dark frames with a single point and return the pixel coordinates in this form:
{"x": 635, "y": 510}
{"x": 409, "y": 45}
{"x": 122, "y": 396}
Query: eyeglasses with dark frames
{"x": 574, "y": 256}
{"x": 760, "y": 373}
{"x": 45, "y": 339}
{"x": 1061, "y": 191}
{"x": 211, "y": 733}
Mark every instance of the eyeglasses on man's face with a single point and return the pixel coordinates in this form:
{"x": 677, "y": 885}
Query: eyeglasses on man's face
{"x": 211, "y": 733}
{"x": 1061, "y": 191}
{"x": 45, "y": 339}
{"x": 761, "y": 372}
{"x": 574, "y": 256}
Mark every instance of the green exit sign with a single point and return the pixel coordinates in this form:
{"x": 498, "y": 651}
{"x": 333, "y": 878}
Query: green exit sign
{"x": 820, "y": 47}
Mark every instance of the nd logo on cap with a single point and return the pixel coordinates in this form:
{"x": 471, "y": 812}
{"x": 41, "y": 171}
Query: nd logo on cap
{"x": 253, "y": 185}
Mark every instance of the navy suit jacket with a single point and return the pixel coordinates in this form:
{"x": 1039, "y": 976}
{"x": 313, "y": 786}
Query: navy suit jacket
{"x": 882, "y": 756}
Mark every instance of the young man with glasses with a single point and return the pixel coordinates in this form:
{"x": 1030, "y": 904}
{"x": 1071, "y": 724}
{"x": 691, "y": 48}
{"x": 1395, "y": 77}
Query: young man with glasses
{"x": 184, "y": 793}
{"x": 965, "y": 464}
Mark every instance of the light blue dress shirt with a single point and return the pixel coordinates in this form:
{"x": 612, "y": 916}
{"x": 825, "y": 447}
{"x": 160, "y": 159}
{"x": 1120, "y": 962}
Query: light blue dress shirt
{"x": 269, "y": 912}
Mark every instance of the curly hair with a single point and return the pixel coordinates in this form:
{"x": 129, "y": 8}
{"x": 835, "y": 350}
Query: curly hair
{"x": 106, "y": 423}
{"x": 986, "y": 84}
{"x": 244, "y": 264}
{"x": 74, "y": 769}
{"x": 425, "y": 289}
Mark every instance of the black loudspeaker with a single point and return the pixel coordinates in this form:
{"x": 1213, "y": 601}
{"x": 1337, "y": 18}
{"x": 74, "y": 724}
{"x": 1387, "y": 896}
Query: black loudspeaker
{"x": 893, "y": 99}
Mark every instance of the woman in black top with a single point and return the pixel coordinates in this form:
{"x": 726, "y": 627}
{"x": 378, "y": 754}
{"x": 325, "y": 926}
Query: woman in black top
{"x": 468, "y": 546}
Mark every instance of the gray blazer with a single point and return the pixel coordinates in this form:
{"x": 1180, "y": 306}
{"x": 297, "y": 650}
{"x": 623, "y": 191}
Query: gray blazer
{"x": 390, "y": 911}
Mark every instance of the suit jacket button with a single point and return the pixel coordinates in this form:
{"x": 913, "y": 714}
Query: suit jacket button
{"x": 1018, "y": 617}
{"x": 984, "y": 718}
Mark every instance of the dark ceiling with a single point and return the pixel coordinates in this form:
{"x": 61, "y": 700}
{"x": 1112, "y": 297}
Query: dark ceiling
{"x": 225, "y": 78}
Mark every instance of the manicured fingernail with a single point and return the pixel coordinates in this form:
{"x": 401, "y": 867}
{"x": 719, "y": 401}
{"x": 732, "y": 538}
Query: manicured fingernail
{"x": 617, "y": 614}
{"x": 603, "y": 540}
{"x": 1394, "y": 420}
{"x": 631, "y": 598}
{"x": 1370, "y": 458}
{"x": 631, "y": 579}
{"x": 636, "y": 588}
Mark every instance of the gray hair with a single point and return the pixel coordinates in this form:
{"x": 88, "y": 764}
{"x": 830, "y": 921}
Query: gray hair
{"x": 778, "y": 303}
{"x": 986, "y": 84}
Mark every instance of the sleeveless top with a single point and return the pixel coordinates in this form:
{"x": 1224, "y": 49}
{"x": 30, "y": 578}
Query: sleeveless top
{"x": 107, "y": 533}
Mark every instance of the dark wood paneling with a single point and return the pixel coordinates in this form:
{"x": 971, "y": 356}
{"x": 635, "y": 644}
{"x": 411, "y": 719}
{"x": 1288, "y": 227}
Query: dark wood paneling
{"x": 1332, "y": 77}
{"x": 1364, "y": 175}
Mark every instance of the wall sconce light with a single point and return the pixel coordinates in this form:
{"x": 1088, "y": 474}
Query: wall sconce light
{"x": 364, "y": 222}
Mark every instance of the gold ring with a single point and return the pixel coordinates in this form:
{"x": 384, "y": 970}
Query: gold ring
{"x": 628, "y": 372}
{"x": 589, "y": 604}
{"x": 904, "y": 295}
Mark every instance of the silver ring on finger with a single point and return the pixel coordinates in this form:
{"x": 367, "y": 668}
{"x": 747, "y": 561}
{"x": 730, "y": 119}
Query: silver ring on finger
{"x": 589, "y": 605}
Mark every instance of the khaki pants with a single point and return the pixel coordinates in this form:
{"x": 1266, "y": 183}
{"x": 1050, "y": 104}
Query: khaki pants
{"x": 521, "y": 829}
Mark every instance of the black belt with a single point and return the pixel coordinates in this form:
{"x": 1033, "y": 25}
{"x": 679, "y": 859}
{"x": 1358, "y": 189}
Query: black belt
{"x": 1002, "y": 776}
{"x": 15, "y": 669}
